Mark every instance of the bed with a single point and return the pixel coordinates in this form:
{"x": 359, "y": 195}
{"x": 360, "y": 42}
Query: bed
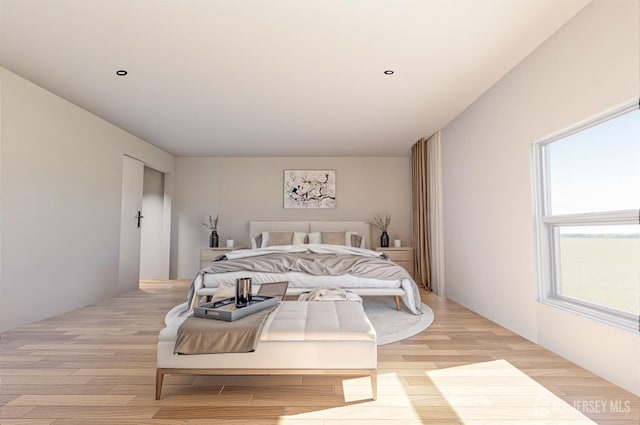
{"x": 310, "y": 254}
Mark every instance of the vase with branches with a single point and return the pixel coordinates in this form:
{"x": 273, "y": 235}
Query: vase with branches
{"x": 382, "y": 223}
{"x": 213, "y": 226}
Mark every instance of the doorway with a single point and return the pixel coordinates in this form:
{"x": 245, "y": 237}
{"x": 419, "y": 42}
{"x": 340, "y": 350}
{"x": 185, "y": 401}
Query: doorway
{"x": 144, "y": 225}
{"x": 152, "y": 249}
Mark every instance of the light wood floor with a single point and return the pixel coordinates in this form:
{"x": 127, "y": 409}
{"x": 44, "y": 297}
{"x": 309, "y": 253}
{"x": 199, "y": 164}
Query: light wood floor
{"x": 96, "y": 365}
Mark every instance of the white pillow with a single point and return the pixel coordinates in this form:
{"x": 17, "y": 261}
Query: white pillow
{"x": 265, "y": 239}
{"x": 315, "y": 237}
{"x": 299, "y": 238}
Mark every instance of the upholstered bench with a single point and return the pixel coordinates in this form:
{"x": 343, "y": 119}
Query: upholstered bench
{"x": 300, "y": 338}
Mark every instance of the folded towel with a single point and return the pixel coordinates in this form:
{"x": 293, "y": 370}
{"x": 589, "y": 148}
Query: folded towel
{"x": 325, "y": 293}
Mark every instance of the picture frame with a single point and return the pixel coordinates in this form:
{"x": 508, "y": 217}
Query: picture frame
{"x": 309, "y": 188}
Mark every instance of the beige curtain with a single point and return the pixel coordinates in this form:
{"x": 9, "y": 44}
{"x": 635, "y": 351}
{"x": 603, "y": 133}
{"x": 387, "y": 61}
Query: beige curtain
{"x": 420, "y": 213}
{"x": 427, "y": 213}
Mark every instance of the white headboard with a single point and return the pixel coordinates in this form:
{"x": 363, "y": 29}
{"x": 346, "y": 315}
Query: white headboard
{"x": 362, "y": 227}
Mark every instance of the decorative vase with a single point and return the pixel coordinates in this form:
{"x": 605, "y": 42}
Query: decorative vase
{"x": 384, "y": 240}
{"x": 213, "y": 239}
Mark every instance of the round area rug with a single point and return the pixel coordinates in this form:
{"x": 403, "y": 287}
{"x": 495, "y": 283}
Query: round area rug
{"x": 392, "y": 325}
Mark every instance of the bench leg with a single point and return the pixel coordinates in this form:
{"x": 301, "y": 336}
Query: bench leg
{"x": 159, "y": 379}
{"x": 397, "y": 298}
{"x": 374, "y": 385}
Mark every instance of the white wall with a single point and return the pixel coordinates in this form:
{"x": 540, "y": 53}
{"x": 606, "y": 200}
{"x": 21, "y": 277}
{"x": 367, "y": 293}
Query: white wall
{"x": 588, "y": 66}
{"x": 61, "y": 191}
{"x": 152, "y": 258}
{"x": 241, "y": 189}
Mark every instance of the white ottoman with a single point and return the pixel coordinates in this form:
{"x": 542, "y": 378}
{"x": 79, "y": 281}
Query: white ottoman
{"x": 300, "y": 338}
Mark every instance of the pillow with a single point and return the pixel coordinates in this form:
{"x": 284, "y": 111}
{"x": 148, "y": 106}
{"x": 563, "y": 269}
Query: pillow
{"x": 277, "y": 238}
{"x": 256, "y": 242}
{"x": 333, "y": 238}
{"x": 314, "y": 237}
{"x": 299, "y": 238}
{"x": 355, "y": 240}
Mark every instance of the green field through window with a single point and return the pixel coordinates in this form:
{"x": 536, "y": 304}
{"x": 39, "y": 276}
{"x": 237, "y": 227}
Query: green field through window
{"x": 603, "y": 269}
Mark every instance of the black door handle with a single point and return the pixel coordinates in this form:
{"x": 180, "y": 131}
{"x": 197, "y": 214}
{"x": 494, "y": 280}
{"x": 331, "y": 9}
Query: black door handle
{"x": 139, "y": 217}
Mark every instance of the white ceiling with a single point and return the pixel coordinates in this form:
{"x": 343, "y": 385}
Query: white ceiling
{"x": 266, "y": 77}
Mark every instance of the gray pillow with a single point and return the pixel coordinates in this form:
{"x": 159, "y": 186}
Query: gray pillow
{"x": 356, "y": 240}
{"x": 280, "y": 238}
{"x": 258, "y": 240}
{"x": 333, "y": 238}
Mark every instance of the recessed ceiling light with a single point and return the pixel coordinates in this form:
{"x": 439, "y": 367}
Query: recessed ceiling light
{"x": 388, "y": 72}
{"x": 121, "y": 72}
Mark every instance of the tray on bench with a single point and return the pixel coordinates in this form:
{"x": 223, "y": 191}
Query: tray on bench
{"x": 226, "y": 309}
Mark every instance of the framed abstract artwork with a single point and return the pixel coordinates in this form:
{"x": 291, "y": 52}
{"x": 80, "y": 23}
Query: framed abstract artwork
{"x": 309, "y": 188}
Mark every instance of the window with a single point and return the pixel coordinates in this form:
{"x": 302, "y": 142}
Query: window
{"x": 587, "y": 188}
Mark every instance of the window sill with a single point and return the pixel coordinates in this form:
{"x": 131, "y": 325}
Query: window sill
{"x": 621, "y": 320}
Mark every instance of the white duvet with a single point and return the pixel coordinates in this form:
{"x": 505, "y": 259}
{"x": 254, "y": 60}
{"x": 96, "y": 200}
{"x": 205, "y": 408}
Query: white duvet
{"x": 307, "y": 281}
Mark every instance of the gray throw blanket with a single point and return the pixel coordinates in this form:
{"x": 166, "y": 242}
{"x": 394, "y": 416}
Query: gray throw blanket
{"x": 198, "y": 335}
{"x": 315, "y": 264}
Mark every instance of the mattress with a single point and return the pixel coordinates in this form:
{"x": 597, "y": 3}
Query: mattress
{"x": 301, "y": 280}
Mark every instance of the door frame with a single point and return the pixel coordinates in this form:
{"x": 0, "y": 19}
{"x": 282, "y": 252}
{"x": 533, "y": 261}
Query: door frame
{"x": 125, "y": 270}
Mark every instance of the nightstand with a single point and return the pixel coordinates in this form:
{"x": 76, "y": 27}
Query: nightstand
{"x": 401, "y": 256}
{"x": 207, "y": 255}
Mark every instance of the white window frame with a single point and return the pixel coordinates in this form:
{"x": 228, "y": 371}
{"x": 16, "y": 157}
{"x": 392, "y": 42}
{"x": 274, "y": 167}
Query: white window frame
{"x": 547, "y": 225}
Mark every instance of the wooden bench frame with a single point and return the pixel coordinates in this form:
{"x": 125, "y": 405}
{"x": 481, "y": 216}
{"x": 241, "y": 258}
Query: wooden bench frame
{"x": 372, "y": 373}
